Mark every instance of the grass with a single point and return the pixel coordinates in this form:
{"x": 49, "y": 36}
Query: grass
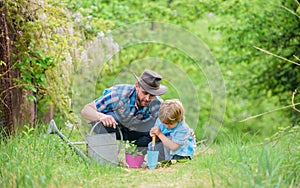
{"x": 34, "y": 159}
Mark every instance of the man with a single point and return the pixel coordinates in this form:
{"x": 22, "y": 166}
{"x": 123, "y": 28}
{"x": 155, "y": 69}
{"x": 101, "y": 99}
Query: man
{"x": 134, "y": 108}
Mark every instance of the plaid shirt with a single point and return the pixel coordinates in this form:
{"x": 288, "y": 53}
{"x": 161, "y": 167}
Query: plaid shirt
{"x": 120, "y": 99}
{"x": 181, "y": 134}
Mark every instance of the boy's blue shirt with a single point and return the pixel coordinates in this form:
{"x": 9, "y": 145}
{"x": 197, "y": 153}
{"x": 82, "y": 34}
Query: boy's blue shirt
{"x": 180, "y": 134}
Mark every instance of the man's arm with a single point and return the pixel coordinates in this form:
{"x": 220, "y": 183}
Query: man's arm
{"x": 91, "y": 113}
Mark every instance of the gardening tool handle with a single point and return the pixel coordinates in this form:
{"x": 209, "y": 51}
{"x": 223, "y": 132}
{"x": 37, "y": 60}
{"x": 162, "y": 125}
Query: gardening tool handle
{"x": 153, "y": 140}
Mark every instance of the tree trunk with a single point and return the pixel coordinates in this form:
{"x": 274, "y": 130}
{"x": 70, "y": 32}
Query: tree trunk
{"x": 5, "y": 77}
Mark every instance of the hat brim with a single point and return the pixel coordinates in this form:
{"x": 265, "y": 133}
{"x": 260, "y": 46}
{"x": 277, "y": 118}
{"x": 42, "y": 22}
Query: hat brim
{"x": 162, "y": 88}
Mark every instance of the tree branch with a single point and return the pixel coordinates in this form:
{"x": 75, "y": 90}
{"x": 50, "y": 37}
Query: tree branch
{"x": 270, "y": 53}
{"x": 293, "y": 97}
{"x": 290, "y": 11}
{"x": 253, "y": 117}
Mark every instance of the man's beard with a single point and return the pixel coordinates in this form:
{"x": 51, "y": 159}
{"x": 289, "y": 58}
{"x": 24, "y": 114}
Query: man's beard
{"x": 142, "y": 103}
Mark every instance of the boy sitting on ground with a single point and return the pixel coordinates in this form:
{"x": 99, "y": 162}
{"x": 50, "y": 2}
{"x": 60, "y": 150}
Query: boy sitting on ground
{"x": 176, "y": 138}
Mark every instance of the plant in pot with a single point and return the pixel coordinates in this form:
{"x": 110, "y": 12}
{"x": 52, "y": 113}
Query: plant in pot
{"x": 134, "y": 157}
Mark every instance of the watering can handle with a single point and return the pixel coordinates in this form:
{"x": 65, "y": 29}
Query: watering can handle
{"x": 98, "y": 122}
{"x": 118, "y": 128}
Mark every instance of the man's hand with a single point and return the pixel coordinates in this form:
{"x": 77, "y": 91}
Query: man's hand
{"x": 108, "y": 121}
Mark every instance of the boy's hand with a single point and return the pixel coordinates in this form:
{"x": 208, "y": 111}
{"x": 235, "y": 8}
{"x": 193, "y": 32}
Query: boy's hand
{"x": 155, "y": 131}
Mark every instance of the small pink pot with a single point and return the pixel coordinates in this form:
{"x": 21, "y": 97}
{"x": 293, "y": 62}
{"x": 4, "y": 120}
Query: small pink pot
{"x": 134, "y": 162}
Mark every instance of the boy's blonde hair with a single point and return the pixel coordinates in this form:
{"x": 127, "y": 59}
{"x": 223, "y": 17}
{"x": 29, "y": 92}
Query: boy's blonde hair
{"x": 171, "y": 111}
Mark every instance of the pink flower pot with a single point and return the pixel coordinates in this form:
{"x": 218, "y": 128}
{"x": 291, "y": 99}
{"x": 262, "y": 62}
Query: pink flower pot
{"x": 134, "y": 162}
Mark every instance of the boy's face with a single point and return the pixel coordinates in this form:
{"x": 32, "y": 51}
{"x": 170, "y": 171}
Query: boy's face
{"x": 170, "y": 126}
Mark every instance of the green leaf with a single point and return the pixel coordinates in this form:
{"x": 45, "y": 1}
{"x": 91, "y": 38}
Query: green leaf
{"x": 31, "y": 88}
{"x": 131, "y": 148}
{"x": 31, "y": 98}
{"x": 2, "y": 63}
{"x": 298, "y": 10}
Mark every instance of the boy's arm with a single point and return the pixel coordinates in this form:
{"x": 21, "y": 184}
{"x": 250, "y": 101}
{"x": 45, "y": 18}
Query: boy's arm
{"x": 167, "y": 142}
{"x": 156, "y": 131}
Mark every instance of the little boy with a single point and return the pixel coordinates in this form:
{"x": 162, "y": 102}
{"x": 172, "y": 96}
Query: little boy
{"x": 175, "y": 135}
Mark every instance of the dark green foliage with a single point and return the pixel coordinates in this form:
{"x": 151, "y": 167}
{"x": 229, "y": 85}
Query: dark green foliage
{"x": 119, "y": 13}
{"x": 33, "y": 69}
{"x": 267, "y": 25}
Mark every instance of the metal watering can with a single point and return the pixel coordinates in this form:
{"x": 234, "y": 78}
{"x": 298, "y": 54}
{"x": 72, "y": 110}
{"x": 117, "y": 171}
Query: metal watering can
{"x": 102, "y": 148}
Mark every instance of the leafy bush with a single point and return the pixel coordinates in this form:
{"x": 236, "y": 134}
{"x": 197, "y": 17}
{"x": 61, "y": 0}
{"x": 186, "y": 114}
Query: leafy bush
{"x": 131, "y": 148}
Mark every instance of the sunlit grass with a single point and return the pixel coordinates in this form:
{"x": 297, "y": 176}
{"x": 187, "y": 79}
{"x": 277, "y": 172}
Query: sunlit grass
{"x": 36, "y": 159}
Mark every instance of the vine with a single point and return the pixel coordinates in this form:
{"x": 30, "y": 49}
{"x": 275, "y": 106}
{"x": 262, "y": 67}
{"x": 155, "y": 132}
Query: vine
{"x": 43, "y": 40}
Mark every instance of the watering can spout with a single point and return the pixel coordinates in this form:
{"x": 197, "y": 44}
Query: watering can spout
{"x": 52, "y": 128}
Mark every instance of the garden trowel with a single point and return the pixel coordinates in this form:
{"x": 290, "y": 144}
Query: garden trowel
{"x": 152, "y": 155}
